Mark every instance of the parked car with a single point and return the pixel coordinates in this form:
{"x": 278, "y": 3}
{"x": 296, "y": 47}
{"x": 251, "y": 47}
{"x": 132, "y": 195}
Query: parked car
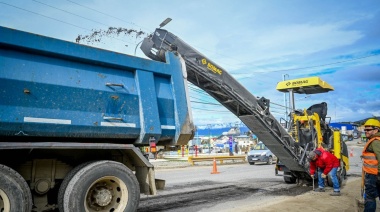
{"x": 356, "y": 134}
{"x": 260, "y": 154}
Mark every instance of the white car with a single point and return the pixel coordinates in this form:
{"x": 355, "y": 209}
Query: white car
{"x": 260, "y": 153}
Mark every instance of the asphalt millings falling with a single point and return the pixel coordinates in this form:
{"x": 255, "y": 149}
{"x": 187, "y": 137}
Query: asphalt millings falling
{"x": 97, "y": 35}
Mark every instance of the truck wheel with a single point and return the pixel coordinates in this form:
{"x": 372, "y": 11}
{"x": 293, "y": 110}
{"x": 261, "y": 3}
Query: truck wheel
{"x": 102, "y": 186}
{"x": 270, "y": 160}
{"x": 66, "y": 181}
{"x": 15, "y": 194}
{"x": 288, "y": 178}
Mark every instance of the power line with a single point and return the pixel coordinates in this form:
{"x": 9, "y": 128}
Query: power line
{"x": 210, "y": 103}
{"x": 316, "y": 66}
{"x": 197, "y": 90}
{"x": 292, "y": 69}
{"x": 105, "y": 14}
{"x": 71, "y": 13}
{"x": 203, "y": 100}
{"x": 83, "y": 18}
{"x": 46, "y": 16}
{"x": 205, "y": 103}
{"x": 203, "y": 109}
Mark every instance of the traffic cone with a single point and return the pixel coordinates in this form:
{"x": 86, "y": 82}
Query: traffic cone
{"x": 352, "y": 152}
{"x": 214, "y": 169}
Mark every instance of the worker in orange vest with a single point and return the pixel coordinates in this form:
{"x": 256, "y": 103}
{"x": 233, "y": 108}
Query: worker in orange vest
{"x": 371, "y": 156}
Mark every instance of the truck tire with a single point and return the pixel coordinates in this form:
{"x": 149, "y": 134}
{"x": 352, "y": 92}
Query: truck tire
{"x": 66, "y": 181}
{"x": 341, "y": 177}
{"x": 289, "y": 180}
{"x": 102, "y": 186}
{"x": 329, "y": 180}
{"x": 15, "y": 195}
{"x": 270, "y": 160}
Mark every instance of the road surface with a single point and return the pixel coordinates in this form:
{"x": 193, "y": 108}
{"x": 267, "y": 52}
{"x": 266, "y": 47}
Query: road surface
{"x": 244, "y": 187}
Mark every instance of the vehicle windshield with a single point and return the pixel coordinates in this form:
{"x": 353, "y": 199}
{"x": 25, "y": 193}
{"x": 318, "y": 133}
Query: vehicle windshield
{"x": 260, "y": 146}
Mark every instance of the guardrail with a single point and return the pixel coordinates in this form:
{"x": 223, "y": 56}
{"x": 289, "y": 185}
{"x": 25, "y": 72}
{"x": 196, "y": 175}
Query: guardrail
{"x": 192, "y": 159}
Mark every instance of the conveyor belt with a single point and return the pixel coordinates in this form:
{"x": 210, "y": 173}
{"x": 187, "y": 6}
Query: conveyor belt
{"x": 252, "y": 111}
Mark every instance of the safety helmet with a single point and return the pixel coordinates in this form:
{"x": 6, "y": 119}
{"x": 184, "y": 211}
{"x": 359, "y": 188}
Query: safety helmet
{"x": 373, "y": 123}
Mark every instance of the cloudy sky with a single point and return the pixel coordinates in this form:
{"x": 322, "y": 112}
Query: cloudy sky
{"x": 258, "y": 42}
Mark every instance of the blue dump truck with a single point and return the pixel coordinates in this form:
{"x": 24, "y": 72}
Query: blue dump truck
{"x": 73, "y": 119}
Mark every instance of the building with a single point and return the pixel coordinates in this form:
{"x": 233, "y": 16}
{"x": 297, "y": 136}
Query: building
{"x": 347, "y": 129}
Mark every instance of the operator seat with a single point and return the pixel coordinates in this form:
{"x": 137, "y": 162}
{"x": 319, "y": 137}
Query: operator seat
{"x": 320, "y": 109}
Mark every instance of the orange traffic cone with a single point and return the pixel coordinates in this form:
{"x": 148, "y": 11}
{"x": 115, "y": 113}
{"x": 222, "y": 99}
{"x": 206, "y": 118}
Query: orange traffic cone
{"x": 214, "y": 169}
{"x": 352, "y": 152}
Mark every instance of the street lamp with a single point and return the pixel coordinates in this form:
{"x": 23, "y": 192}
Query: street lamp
{"x": 285, "y": 101}
{"x": 166, "y": 21}
{"x": 209, "y": 138}
{"x": 162, "y": 24}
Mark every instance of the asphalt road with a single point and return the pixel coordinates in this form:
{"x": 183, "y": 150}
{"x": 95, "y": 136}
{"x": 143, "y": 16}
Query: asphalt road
{"x": 194, "y": 188}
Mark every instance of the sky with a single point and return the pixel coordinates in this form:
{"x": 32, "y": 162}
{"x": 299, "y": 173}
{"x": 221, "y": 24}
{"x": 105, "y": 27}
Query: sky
{"x": 260, "y": 43}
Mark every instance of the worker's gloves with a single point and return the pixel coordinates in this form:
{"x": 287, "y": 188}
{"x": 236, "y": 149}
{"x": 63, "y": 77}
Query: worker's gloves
{"x": 323, "y": 176}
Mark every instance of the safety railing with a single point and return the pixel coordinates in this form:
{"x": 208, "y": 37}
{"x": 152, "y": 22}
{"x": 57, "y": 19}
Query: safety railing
{"x": 192, "y": 159}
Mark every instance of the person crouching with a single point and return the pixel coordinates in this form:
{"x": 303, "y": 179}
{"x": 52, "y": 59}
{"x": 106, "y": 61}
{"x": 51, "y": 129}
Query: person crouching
{"x": 326, "y": 163}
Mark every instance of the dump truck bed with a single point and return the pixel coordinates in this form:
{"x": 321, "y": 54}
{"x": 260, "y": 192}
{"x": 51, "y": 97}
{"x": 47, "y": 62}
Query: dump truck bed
{"x": 53, "y": 89}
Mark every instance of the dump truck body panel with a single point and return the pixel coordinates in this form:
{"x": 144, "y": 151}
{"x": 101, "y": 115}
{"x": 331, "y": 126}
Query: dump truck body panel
{"x": 53, "y": 88}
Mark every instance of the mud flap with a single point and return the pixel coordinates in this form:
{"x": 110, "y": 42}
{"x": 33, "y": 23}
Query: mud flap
{"x": 146, "y": 178}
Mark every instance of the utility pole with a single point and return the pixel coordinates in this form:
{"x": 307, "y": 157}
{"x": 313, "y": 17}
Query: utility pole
{"x": 209, "y": 138}
{"x": 285, "y": 99}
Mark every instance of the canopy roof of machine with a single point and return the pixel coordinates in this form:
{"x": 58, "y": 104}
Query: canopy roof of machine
{"x": 309, "y": 85}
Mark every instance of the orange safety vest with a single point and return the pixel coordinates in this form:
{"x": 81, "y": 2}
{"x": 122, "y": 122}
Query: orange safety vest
{"x": 370, "y": 163}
